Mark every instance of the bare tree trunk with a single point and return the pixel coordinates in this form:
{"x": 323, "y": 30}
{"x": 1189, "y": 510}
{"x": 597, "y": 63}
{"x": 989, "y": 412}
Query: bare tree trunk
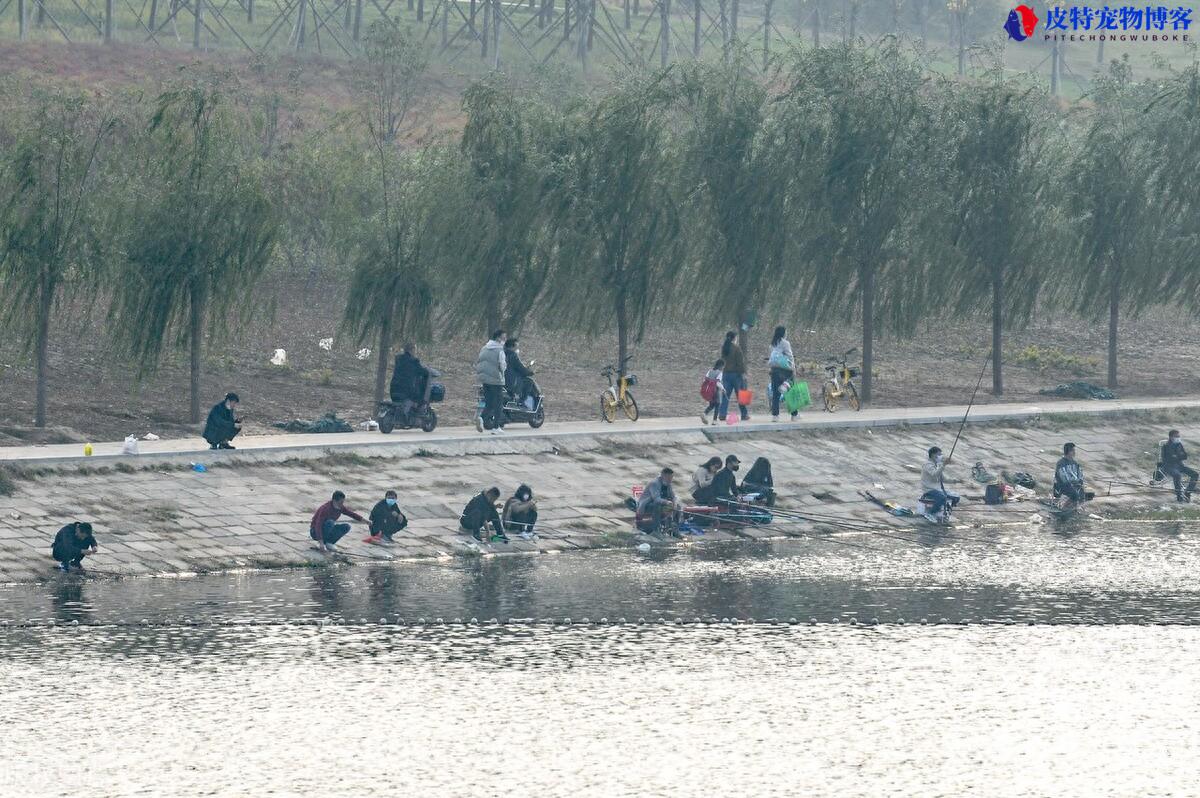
{"x": 195, "y": 342}
{"x": 1100, "y": 54}
{"x": 627, "y": 22}
{"x": 1054, "y": 69}
{"x": 997, "y": 332}
{"x": 867, "y": 280}
{"x": 622, "y": 333}
{"x": 816, "y": 26}
{"x": 733, "y": 20}
{"x": 42, "y": 349}
{"x": 1114, "y": 310}
{"x": 924, "y": 6}
{"x": 695, "y": 28}
{"x": 385, "y": 357}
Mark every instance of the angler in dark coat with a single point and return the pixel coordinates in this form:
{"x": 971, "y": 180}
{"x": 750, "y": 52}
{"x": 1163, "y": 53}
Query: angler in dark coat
{"x": 72, "y": 543}
{"x": 1172, "y": 455}
{"x": 480, "y": 512}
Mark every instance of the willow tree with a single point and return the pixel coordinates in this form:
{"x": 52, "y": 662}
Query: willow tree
{"x": 499, "y": 272}
{"x": 738, "y": 218}
{"x": 52, "y": 231}
{"x": 615, "y": 215}
{"x": 390, "y": 294}
{"x": 1116, "y": 220}
{"x": 204, "y": 229}
{"x": 996, "y": 185}
{"x": 873, "y": 171}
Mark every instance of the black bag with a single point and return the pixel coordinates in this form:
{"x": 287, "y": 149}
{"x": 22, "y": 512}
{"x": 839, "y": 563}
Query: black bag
{"x": 993, "y": 494}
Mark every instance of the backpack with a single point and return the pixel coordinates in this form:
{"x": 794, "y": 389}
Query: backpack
{"x": 708, "y": 389}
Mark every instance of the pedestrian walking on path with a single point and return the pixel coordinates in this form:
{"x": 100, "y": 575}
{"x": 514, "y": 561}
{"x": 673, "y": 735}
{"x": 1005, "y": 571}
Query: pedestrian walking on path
{"x": 734, "y": 377}
{"x": 783, "y": 365}
{"x": 712, "y": 390}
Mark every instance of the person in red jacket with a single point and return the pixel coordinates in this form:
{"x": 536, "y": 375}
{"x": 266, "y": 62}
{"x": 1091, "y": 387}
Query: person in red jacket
{"x": 325, "y": 529}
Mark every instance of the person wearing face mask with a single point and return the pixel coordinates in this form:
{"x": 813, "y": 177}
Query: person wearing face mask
{"x": 386, "y": 520}
{"x": 1172, "y": 455}
{"x": 724, "y": 485}
{"x": 933, "y": 486}
{"x": 520, "y": 512}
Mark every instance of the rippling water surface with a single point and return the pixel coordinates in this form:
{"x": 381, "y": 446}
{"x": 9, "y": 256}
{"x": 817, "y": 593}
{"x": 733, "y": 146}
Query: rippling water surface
{"x": 1075, "y": 676}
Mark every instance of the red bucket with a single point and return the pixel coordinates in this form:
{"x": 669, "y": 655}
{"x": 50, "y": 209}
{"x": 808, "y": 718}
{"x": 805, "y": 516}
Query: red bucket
{"x": 744, "y": 395}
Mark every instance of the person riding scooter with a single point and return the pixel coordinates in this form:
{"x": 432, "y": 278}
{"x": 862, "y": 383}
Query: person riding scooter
{"x": 517, "y": 376}
{"x": 410, "y": 380}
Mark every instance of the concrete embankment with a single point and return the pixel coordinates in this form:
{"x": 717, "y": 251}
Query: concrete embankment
{"x": 251, "y": 508}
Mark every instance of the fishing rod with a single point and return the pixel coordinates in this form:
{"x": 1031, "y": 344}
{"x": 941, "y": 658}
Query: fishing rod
{"x": 970, "y": 404}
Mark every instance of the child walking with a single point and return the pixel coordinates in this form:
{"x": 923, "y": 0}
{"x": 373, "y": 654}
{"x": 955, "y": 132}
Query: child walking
{"x": 712, "y": 388}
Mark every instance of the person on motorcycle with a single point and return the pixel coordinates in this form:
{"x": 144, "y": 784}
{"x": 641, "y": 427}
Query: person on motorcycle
{"x": 516, "y": 374}
{"x": 489, "y": 369}
{"x": 410, "y": 380}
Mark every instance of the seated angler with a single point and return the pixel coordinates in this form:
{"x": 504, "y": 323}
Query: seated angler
{"x": 1068, "y": 478}
{"x": 222, "y": 426}
{"x": 933, "y": 485}
{"x": 1172, "y": 456}
{"x": 759, "y": 481}
{"x": 480, "y": 512}
{"x": 657, "y": 508}
{"x": 703, "y": 478}
{"x": 724, "y": 485}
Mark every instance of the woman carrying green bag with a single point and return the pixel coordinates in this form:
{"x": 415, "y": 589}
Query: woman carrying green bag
{"x": 782, "y": 363}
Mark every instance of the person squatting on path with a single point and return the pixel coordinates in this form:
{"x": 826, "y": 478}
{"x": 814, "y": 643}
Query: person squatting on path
{"x": 480, "y": 512}
{"x": 1172, "y": 456}
{"x": 72, "y": 543}
{"x": 933, "y": 485}
{"x": 734, "y": 377}
{"x": 782, "y": 364}
{"x": 489, "y": 369}
{"x": 386, "y": 520}
{"x": 520, "y": 512}
{"x": 712, "y": 388}
{"x": 325, "y": 529}
{"x": 657, "y": 508}
{"x": 1068, "y": 477}
{"x": 222, "y": 426}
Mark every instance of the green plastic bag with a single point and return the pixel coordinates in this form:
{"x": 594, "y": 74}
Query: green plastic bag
{"x": 797, "y": 397}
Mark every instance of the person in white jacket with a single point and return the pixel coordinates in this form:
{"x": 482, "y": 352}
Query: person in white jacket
{"x": 489, "y": 369}
{"x": 782, "y": 363}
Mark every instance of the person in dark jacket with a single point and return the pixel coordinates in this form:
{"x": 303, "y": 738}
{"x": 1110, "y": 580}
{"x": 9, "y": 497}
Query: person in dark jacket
{"x": 410, "y": 379}
{"x": 386, "y": 520}
{"x": 724, "y": 485}
{"x": 480, "y": 512}
{"x": 516, "y": 373}
{"x": 520, "y": 511}
{"x": 72, "y": 543}
{"x": 734, "y": 376}
{"x": 324, "y": 527}
{"x": 1068, "y": 477}
{"x": 1172, "y": 455}
{"x": 759, "y": 480}
{"x": 222, "y": 425}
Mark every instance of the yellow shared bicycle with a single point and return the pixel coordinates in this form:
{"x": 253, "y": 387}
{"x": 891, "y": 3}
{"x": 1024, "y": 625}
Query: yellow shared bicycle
{"x": 617, "y": 395}
{"x": 840, "y": 383}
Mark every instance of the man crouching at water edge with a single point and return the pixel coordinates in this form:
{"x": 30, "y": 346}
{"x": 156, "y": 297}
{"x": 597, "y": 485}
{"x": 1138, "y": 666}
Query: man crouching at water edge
{"x": 72, "y": 543}
{"x": 325, "y": 529}
{"x": 386, "y": 520}
{"x": 1068, "y": 478}
{"x": 480, "y": 512}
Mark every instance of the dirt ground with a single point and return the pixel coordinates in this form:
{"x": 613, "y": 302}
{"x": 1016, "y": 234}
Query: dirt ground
{"x": 95, "y": 396}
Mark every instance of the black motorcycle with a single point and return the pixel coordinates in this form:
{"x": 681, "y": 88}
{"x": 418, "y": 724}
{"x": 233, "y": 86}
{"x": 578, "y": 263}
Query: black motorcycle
{"x": 530, "y": 410}
{"x": 392, "y": 415}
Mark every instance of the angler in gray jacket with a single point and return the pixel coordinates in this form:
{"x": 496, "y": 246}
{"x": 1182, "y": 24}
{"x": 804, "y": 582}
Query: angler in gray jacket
{"x": 489, "y": 369}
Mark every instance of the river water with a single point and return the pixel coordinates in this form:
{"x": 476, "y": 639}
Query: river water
{"x": 1017, "y": 660}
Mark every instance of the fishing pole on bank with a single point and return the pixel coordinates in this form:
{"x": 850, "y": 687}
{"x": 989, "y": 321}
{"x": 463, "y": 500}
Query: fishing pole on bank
{"x": 970, "y": 404}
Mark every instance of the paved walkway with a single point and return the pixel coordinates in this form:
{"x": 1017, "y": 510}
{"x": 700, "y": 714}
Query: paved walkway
{"x": 283, "y": 444}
